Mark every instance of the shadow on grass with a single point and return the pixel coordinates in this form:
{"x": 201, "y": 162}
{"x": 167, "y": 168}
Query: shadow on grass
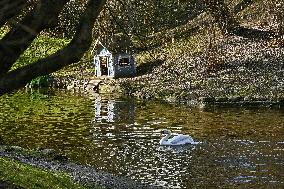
{"x": 148, "y": 67}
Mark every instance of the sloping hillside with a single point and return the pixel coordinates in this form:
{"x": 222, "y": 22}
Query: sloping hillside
{"x": 247, "y": 68}
{"x": 209, "y": 64}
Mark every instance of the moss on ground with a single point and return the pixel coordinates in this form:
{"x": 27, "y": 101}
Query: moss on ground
{"x": 27, "y": 176}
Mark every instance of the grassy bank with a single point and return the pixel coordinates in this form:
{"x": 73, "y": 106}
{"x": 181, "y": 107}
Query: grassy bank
{"x": 41, "y": 47}
{"x": 46, "y": 168}
{"x": 27, "y": 176}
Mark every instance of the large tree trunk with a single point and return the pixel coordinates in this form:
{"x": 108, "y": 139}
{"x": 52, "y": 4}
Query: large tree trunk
{"x": 15, "y": 42}
{"x": 229, "y": 25}
{"x": 242, "y": 5}
{"x": 202, "y": 20}
{"x": 222, "y": 16}
{"x": 66, "y": 56}
{"x": 10, "y": 8}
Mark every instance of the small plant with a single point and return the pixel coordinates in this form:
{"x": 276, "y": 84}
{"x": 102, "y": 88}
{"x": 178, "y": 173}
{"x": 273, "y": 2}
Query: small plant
{"x": 41, "y": 81}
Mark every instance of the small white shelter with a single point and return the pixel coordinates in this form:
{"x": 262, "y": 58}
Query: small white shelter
{"x": 112, "y": 64}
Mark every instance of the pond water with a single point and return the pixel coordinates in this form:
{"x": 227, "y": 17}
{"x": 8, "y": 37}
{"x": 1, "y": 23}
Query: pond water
{"x": 241, "y": 148}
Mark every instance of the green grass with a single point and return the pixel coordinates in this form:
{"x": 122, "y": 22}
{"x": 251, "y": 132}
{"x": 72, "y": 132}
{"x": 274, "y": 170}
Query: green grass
{"x": 44, "y": 46}
{"x": 30, "y": 177}
{"x": 41, "y": 47}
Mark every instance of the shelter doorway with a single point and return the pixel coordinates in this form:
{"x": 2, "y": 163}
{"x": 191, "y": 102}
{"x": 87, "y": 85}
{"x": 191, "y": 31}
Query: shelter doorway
{"x": 104, "y": 65}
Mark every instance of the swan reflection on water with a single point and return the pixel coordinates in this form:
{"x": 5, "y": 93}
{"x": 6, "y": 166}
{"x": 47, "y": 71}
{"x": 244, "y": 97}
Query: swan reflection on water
{"x": 187, "y": 149}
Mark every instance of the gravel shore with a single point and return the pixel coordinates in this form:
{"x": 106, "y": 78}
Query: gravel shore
{"x": 83, "y": 174}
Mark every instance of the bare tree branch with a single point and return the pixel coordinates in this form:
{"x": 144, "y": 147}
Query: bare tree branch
{"x": 66, "y": 56}
{"x": 15, "y": 42}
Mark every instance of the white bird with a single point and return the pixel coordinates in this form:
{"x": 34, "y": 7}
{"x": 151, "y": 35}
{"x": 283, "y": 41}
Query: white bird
{"x": 173, "y": 139}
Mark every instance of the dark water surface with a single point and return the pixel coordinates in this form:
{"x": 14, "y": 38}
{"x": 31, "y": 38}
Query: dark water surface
{"x": 239, "y": 148}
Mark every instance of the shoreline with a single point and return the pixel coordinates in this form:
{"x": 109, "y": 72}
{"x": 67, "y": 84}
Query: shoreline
{"x": 111, "y": 86}
{"x": 85, "y": 175}
{"x": 244, "y": 73}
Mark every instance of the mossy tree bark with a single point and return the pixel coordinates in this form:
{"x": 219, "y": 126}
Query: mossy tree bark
{"x": 66, "y": 56}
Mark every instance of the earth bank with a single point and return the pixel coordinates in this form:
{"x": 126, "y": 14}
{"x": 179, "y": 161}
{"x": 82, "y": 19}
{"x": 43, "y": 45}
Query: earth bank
{"x": 237, "y": 71}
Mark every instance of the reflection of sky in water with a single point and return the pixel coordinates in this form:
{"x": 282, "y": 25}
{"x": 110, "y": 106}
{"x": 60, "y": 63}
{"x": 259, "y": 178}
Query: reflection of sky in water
{"x": 236, "y": 149}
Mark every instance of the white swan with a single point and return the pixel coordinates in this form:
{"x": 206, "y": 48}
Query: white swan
{"x": 173, "y": 139}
